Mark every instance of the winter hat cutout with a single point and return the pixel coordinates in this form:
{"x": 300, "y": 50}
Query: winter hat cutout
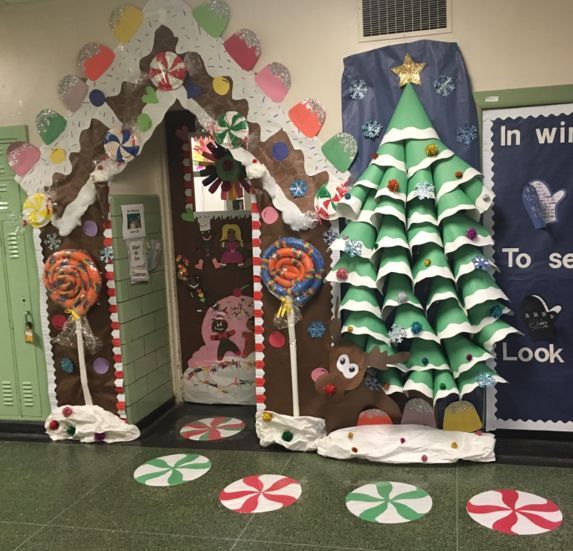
{"x": 538, "y": 318}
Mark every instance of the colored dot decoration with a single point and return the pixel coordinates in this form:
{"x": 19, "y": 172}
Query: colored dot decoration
{"x": 221, "y": 86}
{"x": 280, "y": 151}
{"x": 97, "y": 98}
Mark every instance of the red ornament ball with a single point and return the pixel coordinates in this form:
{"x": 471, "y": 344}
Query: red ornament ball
{"x": 237, "y": 292}
{"x": 53, "y": 425}
{"x": 374, "y": 155}
{"x": 459, "y": 174}
{"x": 67, "y": 411}
{"x": 329, "y": 389}
{"x": 469, "y": 357}
{"x": 341, "y": 274}
{"x": 354, "y": 450}
{"x": 393, "y": 185}
{"x": 424, "y": 458}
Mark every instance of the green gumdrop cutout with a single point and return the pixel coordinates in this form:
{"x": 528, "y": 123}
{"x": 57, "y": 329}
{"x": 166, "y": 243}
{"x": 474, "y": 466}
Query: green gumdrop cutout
{"x": 210, "y": 21}
{"x": 144, "y": 122}
{"x": 50, "y": 125}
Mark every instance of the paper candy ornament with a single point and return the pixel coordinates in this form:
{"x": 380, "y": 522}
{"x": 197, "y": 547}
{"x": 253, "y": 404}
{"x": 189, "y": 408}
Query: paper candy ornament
{"x": 125, "y": 22}
{"x": 22, "y": 157}
{"x": 72, "y": 91}
{"x": 418, "y": 412}
{"x": 341, "y": 150}
{"x": 50, "y": 125}
{"x": 167, "y": 71}
{"x": 308, "y": 116}
{"x": 213, "y": 17}
{"x": 231, "y": 130}
{"x": 538, "y": 318}
{"x": 37, "y": 210}
{"x": 462, "y": 416}
{"x": 541, "y": 204}
{"x": 274, "y": 80}
{"x": 244, "y": 47}
{"x": 121, "y": 144}
{"x": 95, "y": 59}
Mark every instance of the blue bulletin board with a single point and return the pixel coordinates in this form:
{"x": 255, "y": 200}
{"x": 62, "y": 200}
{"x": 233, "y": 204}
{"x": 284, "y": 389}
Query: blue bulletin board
{"x": 528, "y": 158}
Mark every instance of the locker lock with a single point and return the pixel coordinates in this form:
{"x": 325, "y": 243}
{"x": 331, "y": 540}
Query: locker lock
{"x": 28, "y": 328}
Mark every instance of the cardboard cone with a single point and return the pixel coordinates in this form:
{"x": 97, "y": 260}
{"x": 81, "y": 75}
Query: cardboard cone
{"x": 361, "y": 299}
{"x": 451, "y": 173}
{"x": 392, "y": 380}
{"x": 477, "y": 287}
{"x": 454, "y": 202}
{"x": 388, "y": 206}
{"x": 430, "y": 262}
{"x": 463, "y": 354}
{"x": 440, "y": 289}
{"x": 444, "y": 385}
{"x": 394, "y": 184}
{"x": 420, "y": 183}
{"x": 426, "y": 355}
{"x": 407, "y": 315}
{"x": 463, "y": 260}
{"x": 394, "y": 260}
{"x": 459, "y": 230}
{"x": 420, "y": 381}
{"x": 493, "y": 333}
{"x": 354, "y": 271}
{"x": 478, "y": 376}
{"x": 451, "y": 320}
{"x": 421, "y": 211}
{"x": 485, "y": 313}
{"x": 391, "y": 234}
{"x": 421, "y": 234}
{"x": 365, "y": 323}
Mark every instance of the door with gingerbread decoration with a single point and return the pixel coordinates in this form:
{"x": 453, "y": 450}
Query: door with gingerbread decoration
{"x": 210, "y": 202}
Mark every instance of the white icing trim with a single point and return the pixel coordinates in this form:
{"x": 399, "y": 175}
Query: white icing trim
{"x": 366, "y": 184}
{"x": 409, "y": 133}
{"x": 387, "y": 242}
{"x": 339, "y": 245}
{"x": 386, "y": 160}
{"x": 462, "y": 240}
{"x": 444, "y": 393}
{"x": 434, "y": 271}
{"x": 470, "y": 387}
{"x": 485, "y": 357}
{"x": 385, "y": 192}
{"x": 438, "y": 297}
{"x": 424, "y": 335}
{"x": 454, "y": 329}
{"x": 450, "y": 185}
{"x": 74, "y": 211}
{"x": 360, "y": 306}
{"x": 418, "y": 387}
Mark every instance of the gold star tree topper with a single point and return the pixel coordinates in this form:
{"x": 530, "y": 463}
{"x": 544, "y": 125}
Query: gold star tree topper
{"x": 409, "y": 71}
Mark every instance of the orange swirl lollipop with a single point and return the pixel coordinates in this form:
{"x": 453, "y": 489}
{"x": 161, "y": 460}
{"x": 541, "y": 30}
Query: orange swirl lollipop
{"x": 72, "y": 280}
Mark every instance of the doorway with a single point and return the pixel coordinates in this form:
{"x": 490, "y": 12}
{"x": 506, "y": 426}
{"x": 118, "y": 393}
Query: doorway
{"x": 211, "y": 224}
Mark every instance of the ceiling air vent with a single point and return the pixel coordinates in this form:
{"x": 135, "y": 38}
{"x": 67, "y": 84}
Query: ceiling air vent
{"x": 387, "y": 19}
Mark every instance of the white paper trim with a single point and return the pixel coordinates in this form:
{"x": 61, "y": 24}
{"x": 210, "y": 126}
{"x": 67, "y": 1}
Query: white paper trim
{"x": 409, "y": 133}
{"x": 386, "y": 161}
{"x": 462, "y": 240}
{"x": 483, "y": 295}
{"x": 429, "y": 161}
{"x": 360, "y": 306}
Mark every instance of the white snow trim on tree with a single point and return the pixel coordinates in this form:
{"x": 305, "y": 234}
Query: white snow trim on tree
{"x": 491, "y": 319}
{"x": 470, "y": 387}
{"x": 383, "y": 444}
{"x": 479, "y": 241}
{"x": 454, "y": 329}
{"x": 361, "y": 306}
{"x": 386, "y": 161}
{"x": 482, "y": 295}
{"x": 428, "y": 161}
{"x": 469, "y": 174}
{"x": 424, "y": 237}
{"x": 306, "y": 431}
{"x": 88, "y": 422}
{"x": 409, "y": 133}
{"x": 498, "y": 336}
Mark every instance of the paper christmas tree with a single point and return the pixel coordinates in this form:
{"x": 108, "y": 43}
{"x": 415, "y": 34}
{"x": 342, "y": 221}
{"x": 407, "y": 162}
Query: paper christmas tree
{"x": 413, "y": 263}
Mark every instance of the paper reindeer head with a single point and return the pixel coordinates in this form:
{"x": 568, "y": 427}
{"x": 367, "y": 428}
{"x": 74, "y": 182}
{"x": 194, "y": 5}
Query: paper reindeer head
{"x": 540, "y": 203}
{"x": 538, "y": 318}
{"x": 343, "y": 383}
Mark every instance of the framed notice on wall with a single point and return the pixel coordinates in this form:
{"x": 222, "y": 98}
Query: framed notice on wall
{"x": 528, "y": 158}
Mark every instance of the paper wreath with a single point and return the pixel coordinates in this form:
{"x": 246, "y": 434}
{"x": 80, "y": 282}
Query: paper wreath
{"x": 219, "y": 169}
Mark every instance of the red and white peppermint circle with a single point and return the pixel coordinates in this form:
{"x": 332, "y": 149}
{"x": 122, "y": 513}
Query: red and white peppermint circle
{"x": 167, "y": 71}
{"x": 514, "y": 512}
{"x": 260, "y": 493}
{"x": 212, "y": 428}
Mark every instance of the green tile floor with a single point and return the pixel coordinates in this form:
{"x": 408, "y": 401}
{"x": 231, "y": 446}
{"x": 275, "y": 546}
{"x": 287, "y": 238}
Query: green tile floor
{"x": 69, "y": 497}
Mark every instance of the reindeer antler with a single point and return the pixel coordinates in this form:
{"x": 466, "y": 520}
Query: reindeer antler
{"x": 381, "y": 360}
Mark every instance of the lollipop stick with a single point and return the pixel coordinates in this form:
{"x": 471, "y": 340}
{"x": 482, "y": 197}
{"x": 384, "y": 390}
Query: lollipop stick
{"x": 82, "y": 357}
{"x": 293, "y": 362}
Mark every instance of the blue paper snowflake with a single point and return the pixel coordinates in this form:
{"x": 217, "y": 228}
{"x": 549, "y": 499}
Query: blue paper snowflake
{"x": 53, "y": 241}
{"x": 357, "y": 89}
{"x": 481, "y": 263}
{"x": 444, "y": 85}
{"x": 373, "y": 383}
{"x": 298, "y": 188}
{"x": 67, "y": 365}
{"x": 396, "y": 334}
{"x": 330, "y": 236}
{"x": 352, "y": 248}
{"x": 496, "y": 311}
{"x": 467, "y": 134}
{"x": 371, "y": 129}
{"x": 424, "y": 190}
{"x": 316, "y": 329}
{"x": 484, "y": 380}
{"x": 106, "y": 255}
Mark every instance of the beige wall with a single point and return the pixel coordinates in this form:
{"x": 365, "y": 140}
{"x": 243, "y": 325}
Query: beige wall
{"x": 506, "y": 44}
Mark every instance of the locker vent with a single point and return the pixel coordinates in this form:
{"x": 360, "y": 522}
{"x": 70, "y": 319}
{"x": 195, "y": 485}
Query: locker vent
{"x": 13, "y": 246}
{"x": 7, "y": 393}
{"x": 27, "y": 395}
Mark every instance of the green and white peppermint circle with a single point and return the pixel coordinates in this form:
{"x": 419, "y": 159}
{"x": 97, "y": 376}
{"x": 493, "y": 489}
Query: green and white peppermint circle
{"x": 172, "y": 470}
{"x": 389, "y": 502}
{"x": 231, "y": 130}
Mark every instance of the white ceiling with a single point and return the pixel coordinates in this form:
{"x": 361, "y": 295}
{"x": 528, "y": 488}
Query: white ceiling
{"x": 8, "y": 2}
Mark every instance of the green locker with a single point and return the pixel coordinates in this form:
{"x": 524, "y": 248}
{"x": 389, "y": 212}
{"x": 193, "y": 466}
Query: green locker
{"x": 23, "y": 378}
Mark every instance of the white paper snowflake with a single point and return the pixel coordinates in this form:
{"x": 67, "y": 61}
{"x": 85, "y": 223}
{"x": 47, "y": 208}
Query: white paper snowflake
{"x": 352, "y": 248}
{"x": 466, "y": 134}
{"x": 53, "y": 241}
{"x": 444, "y": 85}
{"x": 424, "y": 190}
{"x": 373, "y": 383}
{"x": 397, "y": 334}
{"x": 106, "y": 255}
{"x": 357, "y": 89}
{"x": 330, "y": 236}
{"x": 371, "y": 129}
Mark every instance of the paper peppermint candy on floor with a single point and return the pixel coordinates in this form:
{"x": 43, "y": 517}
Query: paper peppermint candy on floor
{"x": 212, "y": 428}
{"x": 514, "y": 512}
{"x": 389, "y": 502}
{"x": 172, "y": 470}
{"x": 260, "y": 493}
